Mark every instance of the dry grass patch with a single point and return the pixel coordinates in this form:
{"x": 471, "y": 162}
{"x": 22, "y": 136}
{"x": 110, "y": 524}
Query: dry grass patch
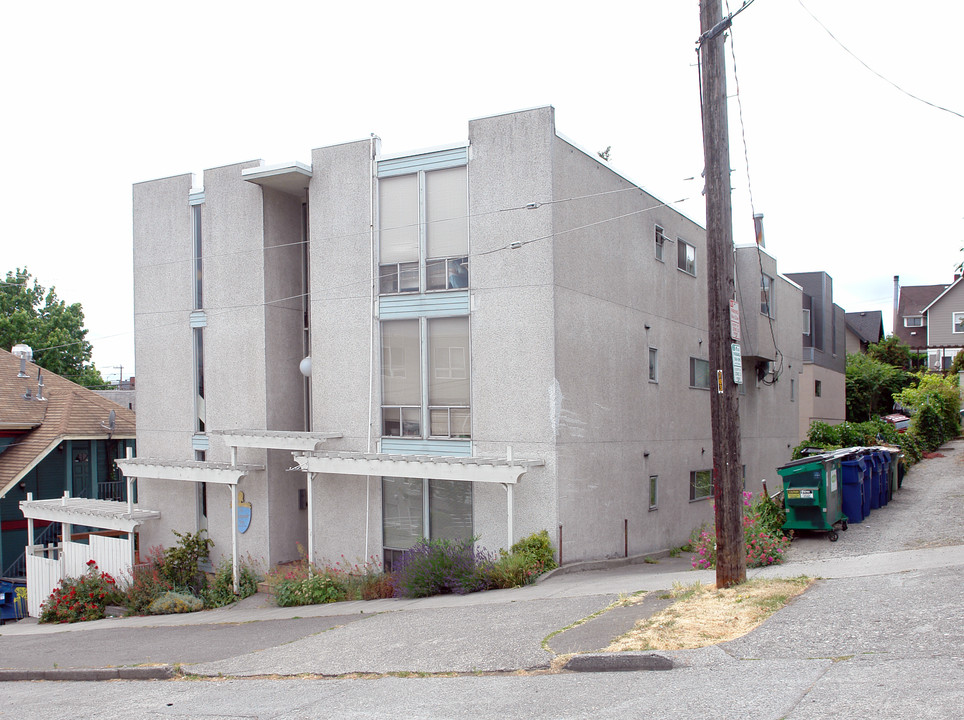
{"x": 703, "y": 615}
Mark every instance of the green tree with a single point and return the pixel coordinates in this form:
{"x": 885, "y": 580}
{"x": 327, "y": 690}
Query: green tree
{"x": 934, "y": 404}
{"x": 871, "y": 385}
{"x": 892, "y": 351}
{"x": 31, "y": 314}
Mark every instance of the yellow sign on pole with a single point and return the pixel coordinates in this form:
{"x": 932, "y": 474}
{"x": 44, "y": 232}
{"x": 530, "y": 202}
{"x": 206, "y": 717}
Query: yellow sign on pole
{"x": 719, "y": 381}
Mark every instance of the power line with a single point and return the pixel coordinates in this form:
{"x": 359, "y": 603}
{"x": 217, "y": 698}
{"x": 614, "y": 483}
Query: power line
{"x": 879, "y": 75}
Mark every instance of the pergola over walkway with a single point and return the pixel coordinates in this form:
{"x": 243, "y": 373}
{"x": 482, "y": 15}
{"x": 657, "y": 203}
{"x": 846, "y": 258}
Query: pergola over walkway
{"x": 505, "y": 471}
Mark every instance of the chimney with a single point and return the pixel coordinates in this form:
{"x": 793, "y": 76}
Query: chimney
{"x": 758, "y": 229}
{"x": 896, "y": 301}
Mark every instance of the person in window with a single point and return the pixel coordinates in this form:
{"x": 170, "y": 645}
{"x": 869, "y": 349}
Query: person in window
{"x": 458, "y": 273}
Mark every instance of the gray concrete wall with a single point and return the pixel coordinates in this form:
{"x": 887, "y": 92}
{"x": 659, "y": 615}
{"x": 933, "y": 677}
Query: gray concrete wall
{"x": 616, "y": 428}
{"x": 345, "y": 382}
{"x": 514, "y": 394}
{"x": 163, "y": 300}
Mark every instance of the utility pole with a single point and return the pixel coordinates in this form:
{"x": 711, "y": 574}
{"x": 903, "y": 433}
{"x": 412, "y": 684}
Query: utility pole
{"x": 724, "y": 400}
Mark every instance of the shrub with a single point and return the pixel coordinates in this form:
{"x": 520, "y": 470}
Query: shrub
{"x": 221, "y": 591}
{"x": 147, "y": 583}
{"x": 79, "y": 599}
{"x": 537, "y": 549}
{"x": 434, "y": 567}
{"x": 313, "y": 588}
{"x": 763, "y": 537}
{"x": 181, "y": 561}
{"x": 174, "y": 602}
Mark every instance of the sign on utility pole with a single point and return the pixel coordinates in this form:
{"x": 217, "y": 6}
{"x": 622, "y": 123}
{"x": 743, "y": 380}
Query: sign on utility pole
{"x": 724, "y": 406}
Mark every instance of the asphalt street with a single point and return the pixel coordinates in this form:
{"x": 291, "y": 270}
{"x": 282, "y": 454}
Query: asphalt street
{"x": 881, "y": 633}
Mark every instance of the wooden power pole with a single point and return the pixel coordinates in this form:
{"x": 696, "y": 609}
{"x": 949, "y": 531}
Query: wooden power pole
{"x": 724, "y": 401}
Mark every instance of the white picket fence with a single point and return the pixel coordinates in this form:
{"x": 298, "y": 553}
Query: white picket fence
{"x": 44, "y": 573}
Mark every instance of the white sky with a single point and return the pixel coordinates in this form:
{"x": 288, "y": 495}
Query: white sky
{"x": 854, "y": 178}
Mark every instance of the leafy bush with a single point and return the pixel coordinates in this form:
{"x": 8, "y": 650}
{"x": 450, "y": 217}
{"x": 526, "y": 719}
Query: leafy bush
{"x": 313, "y": 588}
{"x": 435, "y": 567}
{"x": 79, "y": 599}
{"x": 147, "y": 582}
{"x": 221, "y": 591}
{"x": 763, "y": 537}
{"x": 174, "y": 602}
{"x": 526, "y": 560}
{"x": 847, "y": 434}
{"x": 181, "y": 561}
{"x": 934, "y": 405}
{"x": 537, "y": 549}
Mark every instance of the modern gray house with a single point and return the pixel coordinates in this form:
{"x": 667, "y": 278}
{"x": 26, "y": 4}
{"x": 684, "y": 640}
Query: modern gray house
{"x": 485, "y": 340}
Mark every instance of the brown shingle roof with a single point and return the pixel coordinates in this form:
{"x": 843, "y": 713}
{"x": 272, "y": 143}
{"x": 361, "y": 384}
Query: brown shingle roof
{"x": 912, "y": 300}
{"x": 38, "y": 426}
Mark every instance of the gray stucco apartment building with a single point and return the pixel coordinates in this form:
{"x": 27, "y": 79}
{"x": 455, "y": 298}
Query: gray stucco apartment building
{"x": 505, "y": 336}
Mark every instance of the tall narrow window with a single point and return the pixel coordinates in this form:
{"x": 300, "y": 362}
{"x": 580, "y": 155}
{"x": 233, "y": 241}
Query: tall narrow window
{"x": 817, "y": 388}
{"x": 766, "y": 296}
{"x": 198, "y": 287}
{"x": 685, "y": 256}
{"x": 200, "y": 413}
{"x": 448, "y": 373}
{"x": 653, "y": 365}
{"x": 446, "y": 229}
{"x": 401, "y": 379}
{"x": 660, "y": 242}
{"x": 806, "y": 321}
{"x": 398, "y": 233}
{"x": 653, "y": 491}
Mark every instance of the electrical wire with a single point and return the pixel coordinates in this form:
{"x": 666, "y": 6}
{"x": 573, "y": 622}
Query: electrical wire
{"x": 879, "y": 75}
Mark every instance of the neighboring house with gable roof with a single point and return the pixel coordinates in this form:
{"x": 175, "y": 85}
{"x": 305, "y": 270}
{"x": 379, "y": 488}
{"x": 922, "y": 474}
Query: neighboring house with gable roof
{"x": 921, "y": 306}
{"x": 55, "y": 436}
{"x": 863, "y": 329}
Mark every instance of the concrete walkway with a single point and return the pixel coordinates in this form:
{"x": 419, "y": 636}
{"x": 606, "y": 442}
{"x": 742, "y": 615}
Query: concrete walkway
{"x": 890, "y": 586}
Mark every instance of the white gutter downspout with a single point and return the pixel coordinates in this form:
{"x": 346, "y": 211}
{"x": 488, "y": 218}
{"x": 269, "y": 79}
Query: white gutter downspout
{"x": 234, "y": 525}
{"x": 371, "y": 334}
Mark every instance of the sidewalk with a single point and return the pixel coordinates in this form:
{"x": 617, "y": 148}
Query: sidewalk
{"x": 504, "y": 630}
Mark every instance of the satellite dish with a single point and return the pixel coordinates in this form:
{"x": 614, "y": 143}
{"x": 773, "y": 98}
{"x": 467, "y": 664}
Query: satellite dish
{"x": 111, "y": 423}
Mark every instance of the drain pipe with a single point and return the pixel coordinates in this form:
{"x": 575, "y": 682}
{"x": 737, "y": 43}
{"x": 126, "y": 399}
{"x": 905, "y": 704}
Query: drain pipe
{"x": 371, "y": 334}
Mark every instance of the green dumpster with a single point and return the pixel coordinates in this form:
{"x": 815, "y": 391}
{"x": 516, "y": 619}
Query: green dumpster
{"x": 813, "y": 495}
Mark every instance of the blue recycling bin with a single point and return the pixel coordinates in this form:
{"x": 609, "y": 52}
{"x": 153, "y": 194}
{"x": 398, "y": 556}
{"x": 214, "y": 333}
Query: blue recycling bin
{"x": 852, "y": 468}
{"x": 11, "y": 605}
{"x": 884, "y": 475}
{"x": 873, "y": 459}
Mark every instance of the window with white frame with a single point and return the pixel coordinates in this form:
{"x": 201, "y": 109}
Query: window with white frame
{"x": 806, "y": 321}
{"x": 653, "y": 365}
{"x": 766, "y": 296}
{"x": 701, "y": 484}
{"x": 913, "y": 321}
{"x": 423, "y": 238}
{"x": 425, "y": 378}
{"x": 413, "y": 508}
{"x": 660, "y": 242}
{"x": 685, "y": 256}
{"x": 958, "y": 321}
{"x": 699, "y": 373}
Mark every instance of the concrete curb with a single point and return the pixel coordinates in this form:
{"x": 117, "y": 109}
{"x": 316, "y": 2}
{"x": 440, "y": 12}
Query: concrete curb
{"x": 155, "y": 672}
{"x": 618, "y": 662}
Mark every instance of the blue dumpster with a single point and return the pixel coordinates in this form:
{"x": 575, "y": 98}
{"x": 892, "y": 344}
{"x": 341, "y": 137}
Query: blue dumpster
{"x": 852, "y": 468}
{"x": 884, "y": 479}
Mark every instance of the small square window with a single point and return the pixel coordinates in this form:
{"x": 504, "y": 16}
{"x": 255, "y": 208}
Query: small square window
{"x": 653, "y": 491}
{"x": 685, "y": 257}
{"x": 653, "y": 365}
{"x": 701, "y": 484}
{"x": 699, "y": 373}
{"x": 660, "y": 242}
